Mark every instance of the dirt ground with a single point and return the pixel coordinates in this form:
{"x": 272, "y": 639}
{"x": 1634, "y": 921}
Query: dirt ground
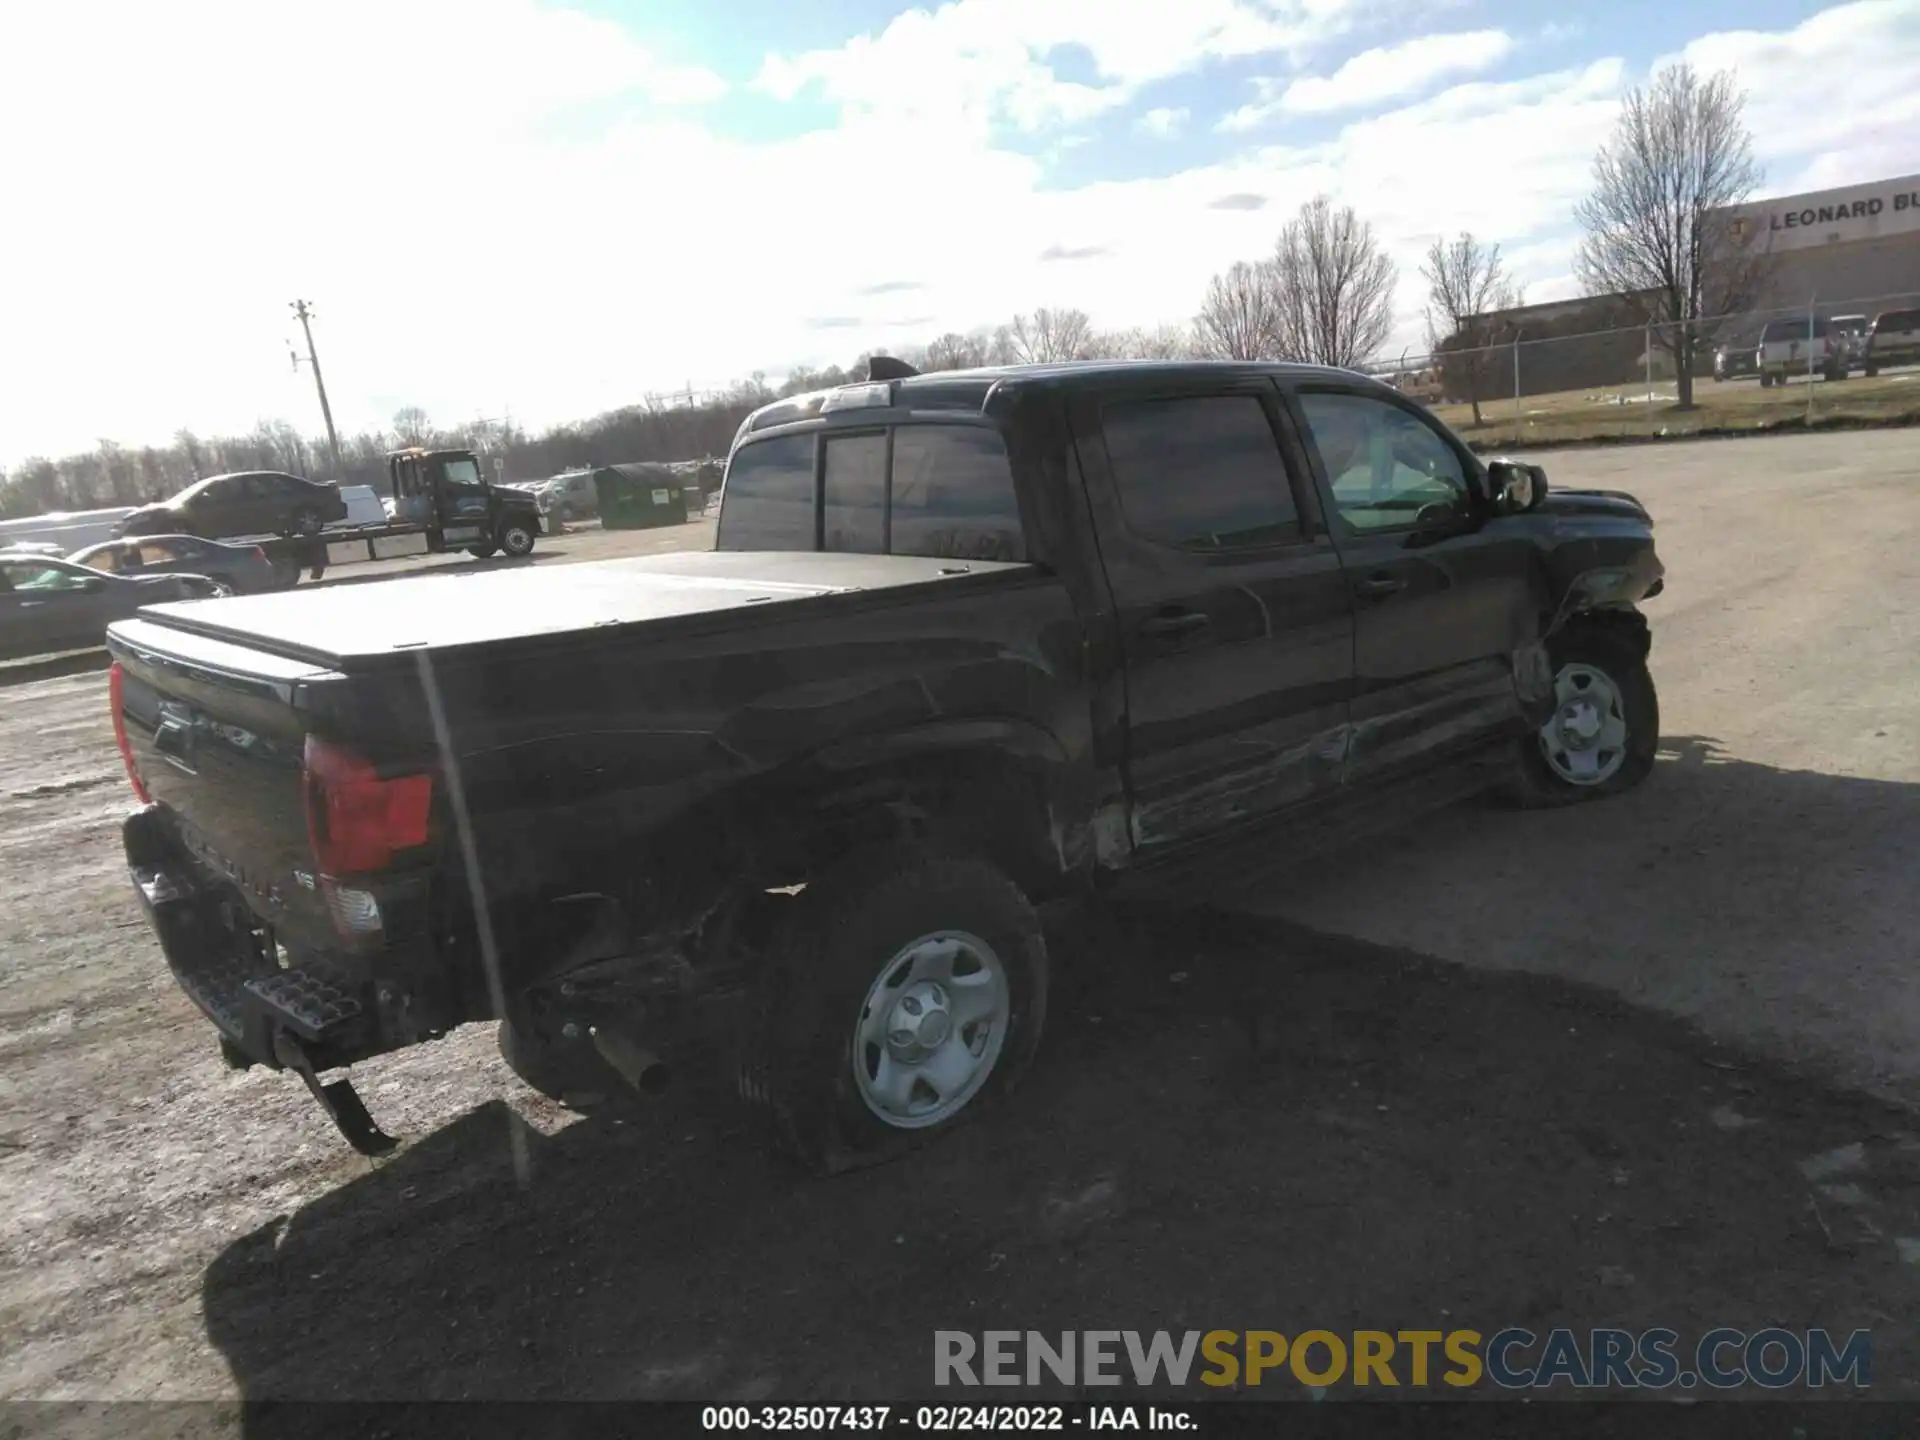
{"x": 1237, "y": 1121}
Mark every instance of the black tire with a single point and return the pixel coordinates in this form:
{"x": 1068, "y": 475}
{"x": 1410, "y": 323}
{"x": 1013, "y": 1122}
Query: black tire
{"x": 516, "y": 538}
{"x": 223, "y": 585}
{"x": 564, "y": 514}
{"x": 483, "y": 552}
{"x": 1870, "y": 371}
{"x": 305, "y": 521}
{"x": 1766, "y": 379}
{"x": 1617, "y": 656}
{"x": 798, "y": 1033}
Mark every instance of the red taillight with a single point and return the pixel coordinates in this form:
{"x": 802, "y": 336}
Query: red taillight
{"x": 115, "y": 683}
{"x": 259, "y": 554}
{"x": 357, "y": 820}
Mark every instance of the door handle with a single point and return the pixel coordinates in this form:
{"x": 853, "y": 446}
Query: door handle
{"x": 1375, "y": 586}
{"x": 1174, "y": 624}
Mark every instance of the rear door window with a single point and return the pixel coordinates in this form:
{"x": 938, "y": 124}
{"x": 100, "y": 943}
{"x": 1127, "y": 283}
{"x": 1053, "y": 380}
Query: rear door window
{"x": 1200, "y": 472}
{"x": 953, "y": 494}
{"x": 767, "y": 498}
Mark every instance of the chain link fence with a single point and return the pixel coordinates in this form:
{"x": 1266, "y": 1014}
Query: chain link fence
{"x": 1822, "y": 362}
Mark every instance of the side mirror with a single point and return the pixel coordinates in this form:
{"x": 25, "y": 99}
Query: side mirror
{"x": 93, "y": 585}
{"x": 1517, "y": 487}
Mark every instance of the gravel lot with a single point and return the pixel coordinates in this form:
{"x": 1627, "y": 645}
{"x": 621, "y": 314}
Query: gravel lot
{"x": 1352, "y": 1110}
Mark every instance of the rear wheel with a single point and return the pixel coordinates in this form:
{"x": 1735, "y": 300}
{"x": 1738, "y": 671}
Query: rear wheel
{"x": 516, "y": 538}
{"x": 305, "y": 521}
{"x": 904, "y": 994}
{"x": 1605, "y": 726}
{"x": 1870, "y": 370}
{"x": 222, "y": 585}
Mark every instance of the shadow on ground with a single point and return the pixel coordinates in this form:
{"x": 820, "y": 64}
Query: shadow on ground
{"x": 1235, "y": 1124}
{"x": 1776, "y": 905}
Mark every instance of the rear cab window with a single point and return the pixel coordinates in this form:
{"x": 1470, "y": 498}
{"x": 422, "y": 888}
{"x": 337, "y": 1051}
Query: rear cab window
{"x": 942, "y": 490}
{"x": 767, "y": 498}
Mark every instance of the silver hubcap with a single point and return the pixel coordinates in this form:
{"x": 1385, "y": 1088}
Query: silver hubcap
{"x": 931, "y": 1029}
{"x": 518, "y": 542}
{"x": 1586, "y": 740}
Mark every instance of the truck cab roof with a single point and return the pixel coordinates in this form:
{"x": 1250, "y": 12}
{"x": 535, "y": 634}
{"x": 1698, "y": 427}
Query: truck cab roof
{"x": 974, "y": 391}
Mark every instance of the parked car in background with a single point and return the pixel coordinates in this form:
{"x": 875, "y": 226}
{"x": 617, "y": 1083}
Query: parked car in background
{"x": 49, "y": 604}
{"x": 233, "y": 569}
{"x": 1737, "y": 358}
{"x": 568, "y": 497}
{"x": 1893, "y": 339}
{"x": 1852, "y": 329}
{"x": 252, "y": 502}
{"x": 1801, "y": 347}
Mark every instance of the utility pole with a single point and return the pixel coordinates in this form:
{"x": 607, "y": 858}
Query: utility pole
{"x": 304, "y": 311}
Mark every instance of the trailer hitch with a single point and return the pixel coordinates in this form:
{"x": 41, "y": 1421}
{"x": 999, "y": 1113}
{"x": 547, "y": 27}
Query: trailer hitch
{"x": 340, "y": 1100}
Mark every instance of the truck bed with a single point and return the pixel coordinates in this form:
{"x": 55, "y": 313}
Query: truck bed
{"x": 349, "y": 627}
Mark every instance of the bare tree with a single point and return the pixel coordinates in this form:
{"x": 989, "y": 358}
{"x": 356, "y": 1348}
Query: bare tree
{"x": 954, "y": 351}
{"x": 1466, "y": 284}
{"x": 1333, "y": 287}
{"x": 1240, "y": 317}
{"x": 1658, "y": 224}
{"x": 410, "y": 423}
{"x": 1158, "y": 342}
{"x": 1046, "y": 336}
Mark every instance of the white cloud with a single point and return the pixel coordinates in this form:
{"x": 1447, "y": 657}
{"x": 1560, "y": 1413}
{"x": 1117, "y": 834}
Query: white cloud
{"x": 425, "y": 172}
{"x": 986, "y": 61}
{"x": 1163, "y": 121}
{"x": 1375, "y": 76}
{"x": 1865, "y": 56}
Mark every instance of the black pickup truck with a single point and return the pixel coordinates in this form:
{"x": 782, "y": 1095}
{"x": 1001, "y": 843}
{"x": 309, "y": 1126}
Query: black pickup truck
{"x": 968, "y": 645}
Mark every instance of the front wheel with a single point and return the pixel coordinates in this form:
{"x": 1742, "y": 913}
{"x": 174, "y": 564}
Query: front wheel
{"x": 516, "y": 538}
{"x": 1605, "y": 726}
{"x": 905, "y": 994}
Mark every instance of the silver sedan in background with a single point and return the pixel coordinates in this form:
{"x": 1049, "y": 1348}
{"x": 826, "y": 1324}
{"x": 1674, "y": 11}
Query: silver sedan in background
{"x": 49, "y": 605}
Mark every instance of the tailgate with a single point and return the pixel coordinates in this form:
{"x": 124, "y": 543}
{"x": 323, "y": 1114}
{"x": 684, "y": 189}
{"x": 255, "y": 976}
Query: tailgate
{"x": 217, "y": 734}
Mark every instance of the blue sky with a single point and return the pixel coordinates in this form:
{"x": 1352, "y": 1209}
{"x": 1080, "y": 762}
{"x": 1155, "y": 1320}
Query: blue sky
{"x": 553, "y": 208}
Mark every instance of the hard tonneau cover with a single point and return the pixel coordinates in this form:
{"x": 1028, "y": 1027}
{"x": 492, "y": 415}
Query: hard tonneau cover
{"x": 348, "y": 627}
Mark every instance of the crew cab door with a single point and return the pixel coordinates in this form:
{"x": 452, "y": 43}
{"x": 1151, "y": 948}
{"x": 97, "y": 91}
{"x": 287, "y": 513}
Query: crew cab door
{"x": 1234, "y": 623}
{"x": 1444, "y": 594}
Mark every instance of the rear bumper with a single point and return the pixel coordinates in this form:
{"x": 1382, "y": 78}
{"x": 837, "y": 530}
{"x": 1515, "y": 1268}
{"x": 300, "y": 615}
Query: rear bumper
{"x": 229, "y": 965}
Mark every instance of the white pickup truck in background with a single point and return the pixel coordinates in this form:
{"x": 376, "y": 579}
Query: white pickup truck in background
{"x": 1802, "y": 346}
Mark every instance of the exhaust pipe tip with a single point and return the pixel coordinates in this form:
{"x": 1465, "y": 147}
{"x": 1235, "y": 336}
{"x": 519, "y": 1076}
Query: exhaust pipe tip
{"x": 643, "y": 1070}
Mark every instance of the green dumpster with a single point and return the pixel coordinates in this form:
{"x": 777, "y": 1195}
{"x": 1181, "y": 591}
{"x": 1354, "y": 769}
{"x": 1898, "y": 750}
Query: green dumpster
{"x": 639, "y": 496}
